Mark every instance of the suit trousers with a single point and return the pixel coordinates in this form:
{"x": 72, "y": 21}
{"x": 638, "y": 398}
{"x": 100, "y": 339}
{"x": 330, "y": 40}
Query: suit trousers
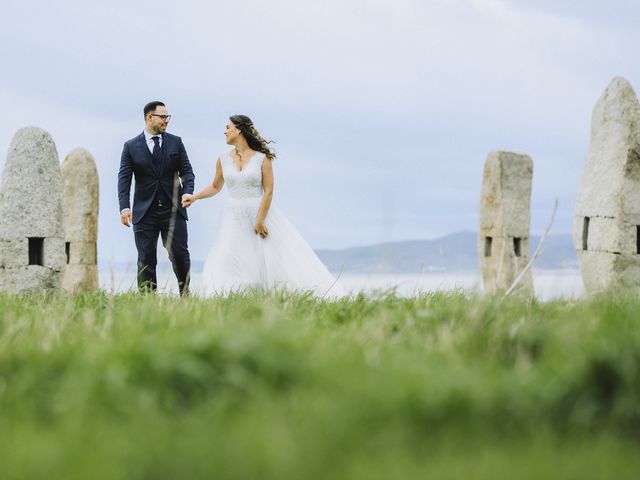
{"x": 165, "y": 221}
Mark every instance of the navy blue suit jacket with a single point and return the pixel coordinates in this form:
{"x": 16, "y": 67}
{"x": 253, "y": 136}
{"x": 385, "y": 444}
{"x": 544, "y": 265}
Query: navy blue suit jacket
{"x": 138, "y": 162}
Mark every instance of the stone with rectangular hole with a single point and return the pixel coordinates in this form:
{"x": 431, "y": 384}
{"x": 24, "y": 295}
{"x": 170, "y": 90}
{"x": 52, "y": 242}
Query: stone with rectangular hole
{"x": 80, "y": 198}
{"x": 607, "y": 215}
{"x": 31, "y": 233}
{"x": 503, "y": 239}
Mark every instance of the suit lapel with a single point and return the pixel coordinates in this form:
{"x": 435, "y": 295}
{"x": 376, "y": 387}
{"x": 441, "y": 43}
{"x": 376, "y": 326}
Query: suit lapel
{"x": 165, "y": 149}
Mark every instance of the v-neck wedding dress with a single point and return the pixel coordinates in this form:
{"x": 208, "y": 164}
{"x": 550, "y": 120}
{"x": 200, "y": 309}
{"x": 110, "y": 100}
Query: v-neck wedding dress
{"x": 240, "y": 259}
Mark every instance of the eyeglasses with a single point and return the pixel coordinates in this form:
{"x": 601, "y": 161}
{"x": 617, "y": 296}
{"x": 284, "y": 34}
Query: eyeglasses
{"x": 161, "y": 117}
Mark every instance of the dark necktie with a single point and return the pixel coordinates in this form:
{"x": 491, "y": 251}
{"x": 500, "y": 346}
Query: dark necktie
{"x": 157, "y": 153}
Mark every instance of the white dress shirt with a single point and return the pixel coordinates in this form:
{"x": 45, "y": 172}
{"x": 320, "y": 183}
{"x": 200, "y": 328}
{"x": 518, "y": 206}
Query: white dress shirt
{"x": 149, "y": 138}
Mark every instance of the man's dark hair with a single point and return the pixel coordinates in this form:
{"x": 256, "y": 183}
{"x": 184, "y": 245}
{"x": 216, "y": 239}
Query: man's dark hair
{"x": 151, "y": 107}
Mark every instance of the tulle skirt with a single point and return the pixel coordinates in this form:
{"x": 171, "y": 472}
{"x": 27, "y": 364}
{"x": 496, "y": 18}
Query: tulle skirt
{"x": 241, "y": 260}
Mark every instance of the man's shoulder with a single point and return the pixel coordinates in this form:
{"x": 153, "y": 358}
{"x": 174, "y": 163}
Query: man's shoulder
{"x": 134, "y": 139}
{"x": 171, "y": 137}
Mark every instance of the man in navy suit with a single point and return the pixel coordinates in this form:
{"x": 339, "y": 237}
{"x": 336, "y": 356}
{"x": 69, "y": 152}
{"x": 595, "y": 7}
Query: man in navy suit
{"x": 163, "y": 174}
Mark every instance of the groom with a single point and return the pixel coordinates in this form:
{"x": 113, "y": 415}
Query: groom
{"x": 163, "y": 174}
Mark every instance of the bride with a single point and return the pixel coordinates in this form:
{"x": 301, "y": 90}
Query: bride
{"x": 255, "y": 246}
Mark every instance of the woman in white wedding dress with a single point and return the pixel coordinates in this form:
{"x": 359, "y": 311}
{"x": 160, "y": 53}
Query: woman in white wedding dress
{"x": 255, "y": 246}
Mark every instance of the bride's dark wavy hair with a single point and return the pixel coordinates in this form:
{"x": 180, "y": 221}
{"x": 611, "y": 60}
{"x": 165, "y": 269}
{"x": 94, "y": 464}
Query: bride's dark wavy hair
{"x": 254, "y": 139}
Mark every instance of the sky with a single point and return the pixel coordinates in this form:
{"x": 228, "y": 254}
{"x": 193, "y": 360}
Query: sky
{"x": 383, "y": 111}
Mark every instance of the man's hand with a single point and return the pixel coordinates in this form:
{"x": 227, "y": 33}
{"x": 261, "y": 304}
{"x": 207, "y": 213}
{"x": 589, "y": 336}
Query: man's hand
{"x": 261, "y": 230}
{"x": 188, "y": 200}
{"x": 125, "y": 217}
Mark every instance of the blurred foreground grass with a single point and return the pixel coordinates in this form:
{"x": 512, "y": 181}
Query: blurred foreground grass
{"x": 287, "y": 387}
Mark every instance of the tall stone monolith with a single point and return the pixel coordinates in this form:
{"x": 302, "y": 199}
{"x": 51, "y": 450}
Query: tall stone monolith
{"x": 505, "y": 217}
{"x": 80, "y": 201}
{"x": 31, "y": 233}
{"x": 606, "y": 226}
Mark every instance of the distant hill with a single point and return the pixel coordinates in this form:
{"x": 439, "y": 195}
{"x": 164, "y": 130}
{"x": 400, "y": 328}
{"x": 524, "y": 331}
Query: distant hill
{"x": 452, "y": 252}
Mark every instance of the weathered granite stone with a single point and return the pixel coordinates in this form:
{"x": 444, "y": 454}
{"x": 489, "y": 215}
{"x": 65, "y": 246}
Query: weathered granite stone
{"x": 14, "y": 252}
{"x": 606, "y": 226}
{"x": 80, "y": 200}
{"x": 503, "y": 240}
{"x": 31, "y": 234}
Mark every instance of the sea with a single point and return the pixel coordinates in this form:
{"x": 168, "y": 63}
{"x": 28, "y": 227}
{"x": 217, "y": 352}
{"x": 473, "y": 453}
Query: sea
{"x": 548, "y": 284}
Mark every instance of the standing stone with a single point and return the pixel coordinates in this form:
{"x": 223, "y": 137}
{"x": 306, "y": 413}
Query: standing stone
{"x": 80, "y": 201}
{"x": 503, "y": 240}
{"x": 606, "y": 226}
{"x": 31, "y": 232}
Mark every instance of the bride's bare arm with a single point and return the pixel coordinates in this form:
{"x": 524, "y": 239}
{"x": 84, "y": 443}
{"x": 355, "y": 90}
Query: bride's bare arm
{"x": 208, "y": 191}
{"x": 267, "y": 185}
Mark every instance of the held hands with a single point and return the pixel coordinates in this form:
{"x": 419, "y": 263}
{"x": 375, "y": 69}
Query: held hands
{"x": 188, "y": 200}
{"x": 261, "y": 230}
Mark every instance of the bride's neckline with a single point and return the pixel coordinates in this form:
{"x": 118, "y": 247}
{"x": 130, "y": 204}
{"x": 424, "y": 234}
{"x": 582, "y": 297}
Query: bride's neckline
{"x": 235, "y": 164}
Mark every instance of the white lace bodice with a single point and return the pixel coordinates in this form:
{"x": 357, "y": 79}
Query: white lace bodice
{"x": 246, "y": 183}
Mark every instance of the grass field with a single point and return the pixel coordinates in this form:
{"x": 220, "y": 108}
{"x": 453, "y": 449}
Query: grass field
{"x": 445, "y": 386}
